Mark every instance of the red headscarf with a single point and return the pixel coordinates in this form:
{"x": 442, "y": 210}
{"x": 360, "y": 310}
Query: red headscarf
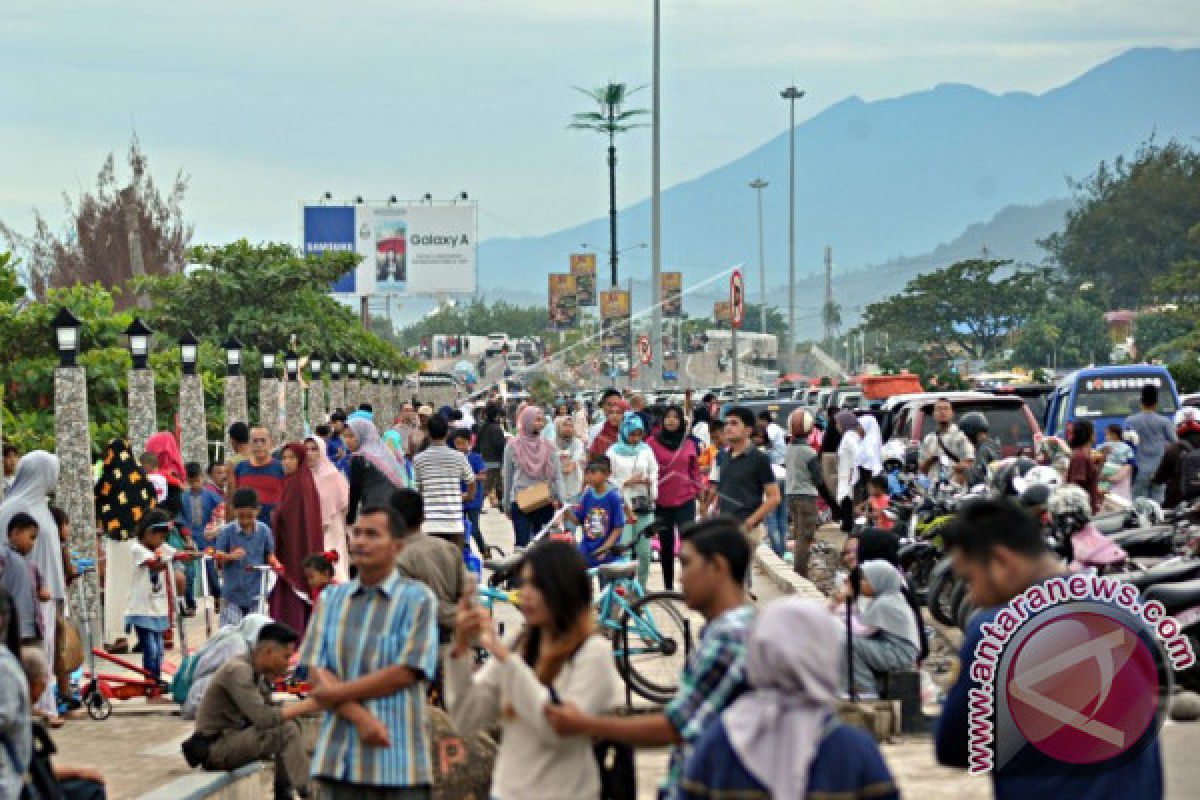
{"x": 162, "y": 445}
{"x": 296, "y": 524}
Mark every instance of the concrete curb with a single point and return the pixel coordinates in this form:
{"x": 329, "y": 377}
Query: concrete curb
{"x": 781, "y": 574}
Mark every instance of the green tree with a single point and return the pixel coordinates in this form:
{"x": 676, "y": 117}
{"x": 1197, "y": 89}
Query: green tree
{"x": 1131, "y": 223}
{"x": 611, "y": 120}
{"x": 974, "y": 305}
{"x": 1067, "y": 331}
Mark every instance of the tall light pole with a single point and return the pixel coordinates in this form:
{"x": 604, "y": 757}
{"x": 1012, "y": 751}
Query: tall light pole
{"x": 758, "y": 184}
{"x": 656, "y": 361}
{"x": 791, "y": 94}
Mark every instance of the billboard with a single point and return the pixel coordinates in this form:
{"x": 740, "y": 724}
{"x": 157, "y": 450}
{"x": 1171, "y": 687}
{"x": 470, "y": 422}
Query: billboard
{"x": 583, "y": 267}
{"x": 410, "y": 249}
{"x": 331, "y": 229}
{"x": 564, "y": 304}
{"x": 722, "y": 312}
{"x": 672, "y": 294}
{"x": 615, "y": 311}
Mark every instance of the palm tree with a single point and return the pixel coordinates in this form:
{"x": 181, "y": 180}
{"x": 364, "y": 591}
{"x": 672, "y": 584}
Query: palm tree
{"x": 831, "y": 316}
{"x": 610, "y": 120}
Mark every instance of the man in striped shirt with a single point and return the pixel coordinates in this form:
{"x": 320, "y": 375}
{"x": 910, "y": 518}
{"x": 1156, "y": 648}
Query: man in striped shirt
{"x": 440, "y": 472}
{"x": 371, "y": 648}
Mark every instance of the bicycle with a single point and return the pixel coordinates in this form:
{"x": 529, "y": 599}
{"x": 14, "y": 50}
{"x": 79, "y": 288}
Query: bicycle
{"x": 650, "y": 634}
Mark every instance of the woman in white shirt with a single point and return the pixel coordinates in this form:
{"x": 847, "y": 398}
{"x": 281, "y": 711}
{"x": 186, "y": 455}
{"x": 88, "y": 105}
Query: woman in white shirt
{"x": 635, "y": 474}
{"x": 852, "y": 435}
{"x": 556, "y": 658}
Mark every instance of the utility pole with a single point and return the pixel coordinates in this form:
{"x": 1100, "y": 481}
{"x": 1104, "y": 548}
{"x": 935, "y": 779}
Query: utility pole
{"x": 791, "y": 94}
{"x": 830, "y": 326}
{"x": 656, "y": 361}
{"x": 758, "y": 184}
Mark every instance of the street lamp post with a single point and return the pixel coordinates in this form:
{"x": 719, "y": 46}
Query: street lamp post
{"x": 268, "y": 395}
{"x": 791, "y": 94}
{"x": 193, "y": 428}
{"x": 758, "y": 184}
{"x": 236, "y": 406}
{"x": 142, "y": 408}
{"x": 293, "y": 398}
{"x": 316, "y": 390}
{"x": 656, "y": 205}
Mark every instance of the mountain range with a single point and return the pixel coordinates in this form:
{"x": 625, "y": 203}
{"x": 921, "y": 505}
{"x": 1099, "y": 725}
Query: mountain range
{"x": 895, "y": 186}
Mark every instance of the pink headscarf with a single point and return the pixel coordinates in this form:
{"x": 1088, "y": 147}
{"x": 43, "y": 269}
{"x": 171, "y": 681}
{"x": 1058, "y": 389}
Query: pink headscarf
{"x": 534, "y": 454}
{"x": 162, "y": 445}
{"x": 331, "y": 483}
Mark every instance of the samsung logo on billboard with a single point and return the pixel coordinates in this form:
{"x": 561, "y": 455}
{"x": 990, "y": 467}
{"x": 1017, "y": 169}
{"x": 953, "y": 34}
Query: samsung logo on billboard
{"x": 320, "y": 247}
{"x": 433, "y": 240}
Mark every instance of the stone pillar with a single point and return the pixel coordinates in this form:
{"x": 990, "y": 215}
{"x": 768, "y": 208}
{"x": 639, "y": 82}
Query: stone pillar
{"x": 337, "y": 394}
{"x": 193, "y": 422}
{"x": 293, "y": 397}
{"x": 236, "y": 405}
{"x": 268, "y": 405}
{"x": 316, "y": 402}
{"x": 143, "y": 413}
{"x": 353, "y": 394}
{"x": 75, "y": 491}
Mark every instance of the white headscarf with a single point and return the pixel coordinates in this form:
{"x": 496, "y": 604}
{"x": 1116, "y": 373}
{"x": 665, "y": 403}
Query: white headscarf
{"x": 870, "y": 450}
{"x": 792, "y": 656}
{"x": 35, "y": 479}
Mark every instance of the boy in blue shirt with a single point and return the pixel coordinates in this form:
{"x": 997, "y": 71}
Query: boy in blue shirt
{"x": 600, "y": 513}
{"x": 196, "y": 508}
{"x": 241, "y": 548}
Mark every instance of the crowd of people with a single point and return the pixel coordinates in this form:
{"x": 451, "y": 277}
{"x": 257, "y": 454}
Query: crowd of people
{"x": 347, "y": 555}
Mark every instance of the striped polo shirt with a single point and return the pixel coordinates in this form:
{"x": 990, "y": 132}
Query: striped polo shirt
{"x": 440, "y": 472}
{"x": 355, "y": 631}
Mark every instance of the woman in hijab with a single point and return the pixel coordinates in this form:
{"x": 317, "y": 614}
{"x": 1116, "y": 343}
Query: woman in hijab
{"x": 297, "y": 527}
{"x": 847, "y": 455}
{"x": 394, "y": 441}
{"x": 123, "y": 496}
{"x": 165, "y": 449}
{"x": 374, "y": 472}
{"x": 781, "y": 740}
{"x": 635, "y": 474}
{"x": 700, "y": 420}
{"x": 334, "y": 492}
{"x": 530, "y": 459}
{"x": 868, "y": 460}
{"x": 35, "y": 479}
{"x": 831, "y": 440}
{"x": 679, "y": 483}
{"x": 891, "y": 640}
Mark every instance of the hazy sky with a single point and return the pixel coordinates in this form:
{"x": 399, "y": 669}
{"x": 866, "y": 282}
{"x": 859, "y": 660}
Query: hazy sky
{"x": 266, "y": 103}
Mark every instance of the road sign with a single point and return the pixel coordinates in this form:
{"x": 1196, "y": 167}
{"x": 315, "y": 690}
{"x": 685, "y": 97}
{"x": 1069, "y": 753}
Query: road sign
{"x": 737, "y": 298}
{"x": 644, "y": 351}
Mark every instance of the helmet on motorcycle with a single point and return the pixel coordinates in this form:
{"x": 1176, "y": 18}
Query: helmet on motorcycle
{"x": 1036, "y": 495}
{"x": 1042, "y": 476}
{"x": 1005, "y": 475}
{"x": 893, "y": 454}
{"x": 973, "y": 424}
{"x": 1070, "y": 507}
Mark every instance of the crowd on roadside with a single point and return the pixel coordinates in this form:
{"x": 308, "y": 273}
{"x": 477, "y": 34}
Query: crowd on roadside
{"x": 349, "y": 555}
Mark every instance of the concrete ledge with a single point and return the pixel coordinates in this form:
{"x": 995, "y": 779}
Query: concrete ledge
{"x": 880, "y": 718}
{"x": 781, "y": 574}
{"x": 240, "y": 784}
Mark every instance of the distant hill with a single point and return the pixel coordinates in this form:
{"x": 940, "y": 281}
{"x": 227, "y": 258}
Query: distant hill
{"x": 881, "y": 181}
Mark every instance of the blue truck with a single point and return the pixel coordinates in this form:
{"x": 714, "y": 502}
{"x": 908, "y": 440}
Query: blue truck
{"x": 1107, "y": 395}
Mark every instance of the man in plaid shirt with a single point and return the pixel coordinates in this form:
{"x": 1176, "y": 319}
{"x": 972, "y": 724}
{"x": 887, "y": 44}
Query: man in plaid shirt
{"x": 714, "y": 558}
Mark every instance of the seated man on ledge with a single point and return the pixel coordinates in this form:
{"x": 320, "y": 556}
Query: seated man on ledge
{"x": 237, "y": 723}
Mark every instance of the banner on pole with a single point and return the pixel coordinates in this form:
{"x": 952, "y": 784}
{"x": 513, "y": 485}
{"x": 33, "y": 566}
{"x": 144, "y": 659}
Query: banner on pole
{"x": 583, "y": 267}
{"x": 564, "y": 304}
{"x": 672, "y": 294}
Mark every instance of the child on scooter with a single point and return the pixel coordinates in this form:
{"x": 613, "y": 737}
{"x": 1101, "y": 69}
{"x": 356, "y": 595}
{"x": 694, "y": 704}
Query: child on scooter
{"x": 241, "y": 548}
{"x": 878, "y": 502}
{"x": 147, "y": 611}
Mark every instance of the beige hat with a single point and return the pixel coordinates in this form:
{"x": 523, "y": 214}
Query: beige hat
{"x": 425, "y": 410}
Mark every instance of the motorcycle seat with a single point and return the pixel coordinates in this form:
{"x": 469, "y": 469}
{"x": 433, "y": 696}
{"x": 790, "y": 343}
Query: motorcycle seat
{"x": 1175, "y": 597}
{"x": 1146, "y": 542}
{"x": 1166, "y": 573}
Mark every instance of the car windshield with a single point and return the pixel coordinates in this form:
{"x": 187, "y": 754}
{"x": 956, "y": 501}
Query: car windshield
{"x": 1118, "y": 397}
{"x": 1007, "y": 423}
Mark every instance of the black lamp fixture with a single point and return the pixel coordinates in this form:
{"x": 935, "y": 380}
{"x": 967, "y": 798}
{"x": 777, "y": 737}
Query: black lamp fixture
{"x": 387, "y": 377}
{"x": 392, "y": 200}
{"x": 461, "y": 196}
{"x": 66, "y": 336}
{"x": 189, "y": 352}
{"x": 291, "y": 364}
{"x": 335, "y": 367}
{"x": 314, "y": 365}
{"x": 139, "y": 342}
{"x": 352, "y": 369}
{"x": 358, "y": 200}
{"x": 375, "y": 375}
{"x": 428, "y": 198}
{"x": 268, "y": 364}
{"x": 233, "y": 356}
{"x": 325, "y": 198}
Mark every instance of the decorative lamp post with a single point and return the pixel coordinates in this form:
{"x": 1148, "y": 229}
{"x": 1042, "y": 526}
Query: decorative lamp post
{"x": 143, "y": 412}
{"x": 66, "y": 336}
{"x": 385, "y": 397}
{"x": 293, "y": 398}
{"x": 193, "y": 426}
{"x": 316, "y": 390}
{"x": 353, "y": 389}
{"x": 268, "y": 395}
{"x": 73, "y": 445}
{"x": 237, "y": 408}
{"x": 337, "y": 382}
